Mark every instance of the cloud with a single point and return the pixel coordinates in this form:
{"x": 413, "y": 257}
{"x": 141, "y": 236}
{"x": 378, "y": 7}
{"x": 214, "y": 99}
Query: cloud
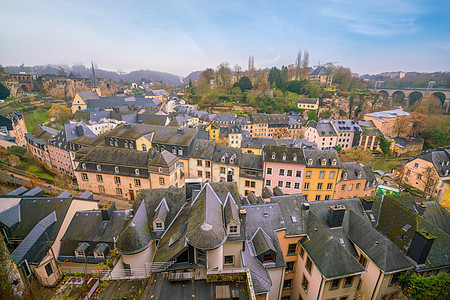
{"x": 374, "y": 18}
{"x": 268, "y": 62}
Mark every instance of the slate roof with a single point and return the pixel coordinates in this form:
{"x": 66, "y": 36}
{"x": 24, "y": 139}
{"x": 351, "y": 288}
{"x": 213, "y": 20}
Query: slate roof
{"x": 252, "y": 161}
{"x": 88, "y": 95}
{"x": 227, "y": 153}
{"x": 391, "y": 218}
{"x": 259, "y": 274}
{"x": 352, "y": 170}
{"x": 163, "y": 159}
{"x": 437, "y": 215}
{"x": 205, "y": 228}
{"x": 324, "y": 128}
{"x": 116, "y": 156}
{"x": 9, "y": 211}
{"x": 321, "y": 70}
{"x": 371, "y": 131}
{"x": 382, "y": 251}
{"x": 114, "y": 102}
{"x": 203, "y": 149}
{"x": 440, "y": 158}
{"x": 308, "y": 100}
{"x": 371, "y": 179}
{"x": 146, "y": 119}
{"x": 90, "y": 141}
{"x": 262, "y": 242}
{"x": 71, "y": 131}
{"x": 293, "y": 214}
{"x": 346, "y": 125}
{"x": 292, "y": 155}
{"x": 41, "y": 134}
{"x": 388, "y": 113}
{"x": 318, "y": 155}
{"x": 230, "y": 211}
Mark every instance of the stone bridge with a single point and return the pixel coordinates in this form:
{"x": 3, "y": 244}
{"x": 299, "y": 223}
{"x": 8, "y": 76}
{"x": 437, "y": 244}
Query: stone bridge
{"x": 442, "y": 94}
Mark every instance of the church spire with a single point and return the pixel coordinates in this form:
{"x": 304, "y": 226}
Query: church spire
{"x": 93, "y": 77}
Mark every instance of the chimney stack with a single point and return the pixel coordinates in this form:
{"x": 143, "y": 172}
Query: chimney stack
{"x": 367, "y": 203}
{"x": 420, "y": 246}
{"x": 107, "y": 211}
{"x": 421, "y": 208}
{"x": 243, "y": 214}
{"x": 79, "y": 130}
{"x": 336, "y": 215}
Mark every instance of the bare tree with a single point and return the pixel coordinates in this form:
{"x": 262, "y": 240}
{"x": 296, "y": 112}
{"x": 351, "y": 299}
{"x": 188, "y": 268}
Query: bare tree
{"x": 430, "y": 179}
{"x": 305, "y": 65}
{"x": 251, "y": 66}
{"x": 401, "y": 126}
{"x": 298, "y": 65}
{"x": 237, "y": 71}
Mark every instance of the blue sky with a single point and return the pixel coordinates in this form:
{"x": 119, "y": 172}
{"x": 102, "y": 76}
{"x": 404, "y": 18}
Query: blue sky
{"x": 184, "y": 36}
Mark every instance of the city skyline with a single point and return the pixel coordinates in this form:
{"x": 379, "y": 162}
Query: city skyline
{"x": 179, "y": 37}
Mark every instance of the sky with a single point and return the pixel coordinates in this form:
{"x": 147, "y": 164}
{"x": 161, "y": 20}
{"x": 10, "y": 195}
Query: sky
{"x": 179, "y": 37}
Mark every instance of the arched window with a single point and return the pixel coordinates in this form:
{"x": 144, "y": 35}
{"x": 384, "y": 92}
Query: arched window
{"x": 324, "y": 162}
{"x": 99, "y": 168}
{"x": 116, "y": 169}
{"x": 333, "y": 162}
{"x": 294, "y": 158}
{"x": 310, "y": 161}
{"x": 180, "y": 151}
{"x": 83, "y": 166}
{"x": 160, "y": 170}
{"x": 136, "y": 171}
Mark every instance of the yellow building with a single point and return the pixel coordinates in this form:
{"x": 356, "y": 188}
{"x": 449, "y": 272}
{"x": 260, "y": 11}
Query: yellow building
{"x": 322, "y": 173}
{"x": 214, "y": 130}
{"x": 81, "y": 99}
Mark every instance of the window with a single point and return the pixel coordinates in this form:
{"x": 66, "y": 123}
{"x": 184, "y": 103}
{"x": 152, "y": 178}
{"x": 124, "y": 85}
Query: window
{"x": 288, "y": 185}
{"x": 207, "y": 164}
{"x": 136, "y": 171}
{"x": 208, "y": 174}
{"x": 49, "y": 269}
{"x": 310, "y": 162}
{"x": 297, "y": 185}
{"x": 252, "y": 184}
{"x": 319, "y": 186}
{"x": 158, "y": 225}
{"x": 305, "y": 284}
{"x": 268, "y": 182}
{"x": 333, "y": 162}
{"x": 222, "y": 170}
{"x": 161, "y": 180}
{"x": 327, "y": 197}
{"x": 137, "y": 182}
{"x": 287, "y": 284}
{"x": 322, "y": 174}
{"x": 329, "y": 186}
{"x": 247, "y": 183}
{"x": 101, "y": 189}
{"x": 99, "y": 254}
{"x": 363, "y": 260}
{"x": 306, "y": 186}
{"x": 290, "y": 266}
{"x": 199, "y": 163}
{"x": 308, "y": 264}
{"x": 331, "y": 176}
{"x": 292, "y": 249}
{"x": 83, "y": 166}
{"x": 269, "y": 171}
{"x": 335, "y": 284}
{"x": 308, "y": 174}
{"x": 416, "y": 165}
{"x": 144, "y": 148}
{"x": 180, "y": 151}
{"x": 229, "y": 259}
{"x": 419, "y": 176}
{"x": 298, "y": 174}
{"x": 119, "y": 191}
{"x": 302, "y": 252}
{"x": 343, "y": 187}
{"x": 280, "y": 184}
{"x": 324, "y": 162}
{"x": 350, "y": 187}
{"x": 99, "y": 178}
{"x": 289, "y": 173}
{"x": 281, "y": 172}
{"x": 233, "y": 229}
{"x": 199, "y": 173}
{"x": 116, "y": 169}
{"x": 358, "y": 186}
{"x": 160, "y": 170}
{"x": 99, "y": 168}
{"x": 84, "y": 176}
{"x": 348, "y": 281}
{"x": 117, "y": 180}
{"x": 317, "y": 197}
{"x": 268, "y": 258}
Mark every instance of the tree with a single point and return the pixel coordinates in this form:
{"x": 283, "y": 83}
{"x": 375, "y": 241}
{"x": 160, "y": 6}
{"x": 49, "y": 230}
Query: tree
{"x": 251, "y": 66}
{"x": 237, "y": 70}
{"x": 385, "y": 145}
{"x": 223, "y": 74}
{"x": 4, "y": 92}
{"x": 298, "y": 65}
{"x": 263, "y": 85}
{"x": 400, "y": 172}
{"x": 359, "y": 155}
{"x": 402, "y": 125}
{"x": 305, "y": 65}
{"x": 13, "y": 160}
{"x": 312, "y": 115}
{"x": 63, "y": 181}
{"x": 419, "y": 122}
{"x": 61, "y": 71}
{"x": 430, "y": 178}
{"x": 60, "y": 113}
{"x": 433, "y": 104}
{"x": 343, "y": 77}
{"x": 236, "y": 94}
{"x": 244, "y": 83}
{"x": 416, "y": 287}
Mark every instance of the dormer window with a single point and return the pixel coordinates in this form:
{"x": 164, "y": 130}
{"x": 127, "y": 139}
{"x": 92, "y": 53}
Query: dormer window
{"x": 324, "y": 162}
{"x": 83, "y": 166}
{"x": 446, "y": 172}
{"x": 283, "y": 157}
{"x": 310, "y": 162}
{"x": 80, "y": 250}
{"x": 294, "y": 158}
{"x": 233, "y": 229}
{"x": 344, "y": 175}
{"x": 158, "y": 225}
{"x": 174, "y": 150}
{"x": 222, "y": 159}
{"x": 359, "y": 175}
{"x": 333, "y": 162}
{"x": 180, "y": 151}
{"x": 99, "y": 168}
{"x": 160, "y": 170}
{"x": 116, "y": 169}
{"x": 136, "y": 171}
{"x": 273, "y": 155}
{"x": 99, "y": 251}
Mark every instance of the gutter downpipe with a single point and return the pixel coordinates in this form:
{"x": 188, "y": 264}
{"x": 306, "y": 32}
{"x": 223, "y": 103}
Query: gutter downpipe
{"x": 320, "y": 288}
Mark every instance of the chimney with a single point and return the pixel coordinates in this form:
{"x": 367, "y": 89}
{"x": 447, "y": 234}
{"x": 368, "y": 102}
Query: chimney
{"x": 336, "y": 215}
{"x": 243, "y": 214}
{"x": 180, "y": 131}
{"x": 367, "y": 203}
{"x": 108, "y": 210}
{"x": 79, "y": 130}
{"x": 305, "y": 206}
{"x": 421, "y": 208}
{"x": 193, "y": 186}
{"x": 420, "y": 246}
{"x": 127, "y": 126}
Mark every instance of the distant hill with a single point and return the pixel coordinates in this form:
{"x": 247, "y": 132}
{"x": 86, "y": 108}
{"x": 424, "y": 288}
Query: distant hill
{"x": 194, "y": 76}
{"x": 84, "y": 72}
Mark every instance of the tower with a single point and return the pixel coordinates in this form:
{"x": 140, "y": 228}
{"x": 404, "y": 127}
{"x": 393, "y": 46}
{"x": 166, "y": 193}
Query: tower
{"x": 95, "y": 87}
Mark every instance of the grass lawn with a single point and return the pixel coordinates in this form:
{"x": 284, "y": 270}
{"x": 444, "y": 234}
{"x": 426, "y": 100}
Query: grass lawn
{"x": 386, "y": 164}
{"x": 293, "y": 96}
{"x": 35, "y": 117}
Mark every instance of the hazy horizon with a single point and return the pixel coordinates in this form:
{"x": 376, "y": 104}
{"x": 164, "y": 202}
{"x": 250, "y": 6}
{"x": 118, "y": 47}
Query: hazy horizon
{"x": 181, "y": 37}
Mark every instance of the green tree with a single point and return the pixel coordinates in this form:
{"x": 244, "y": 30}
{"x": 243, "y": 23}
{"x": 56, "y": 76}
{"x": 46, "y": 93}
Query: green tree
{"x": 4, "y": 92}
{"x": 312, "y": 115}
{"x": 416, "y": 287}
{"x": 244, "y": 83}
{"x": 385, "y": 145}
{"x": 60, "y": 113}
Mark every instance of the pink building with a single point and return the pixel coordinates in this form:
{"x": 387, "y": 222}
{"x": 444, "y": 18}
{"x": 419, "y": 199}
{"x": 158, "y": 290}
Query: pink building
{"x": 284, "y": 167}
